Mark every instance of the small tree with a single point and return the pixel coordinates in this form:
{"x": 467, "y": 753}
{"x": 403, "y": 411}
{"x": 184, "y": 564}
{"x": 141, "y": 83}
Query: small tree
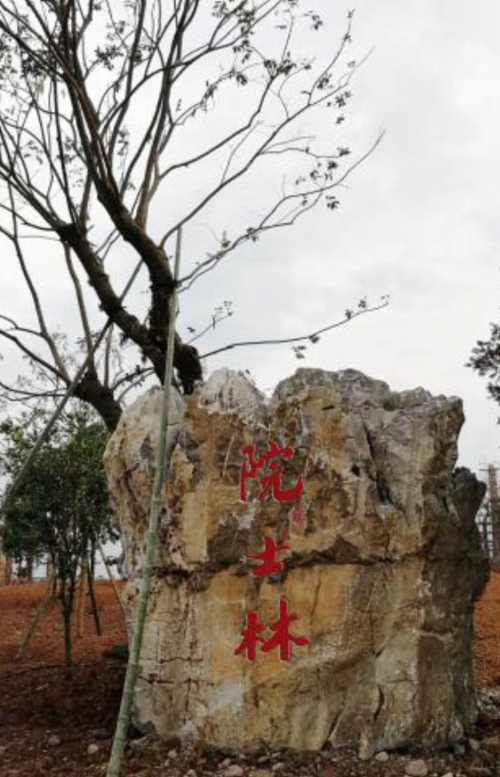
{"x": 61, "y": 509}
{"x": 485, "y": 359}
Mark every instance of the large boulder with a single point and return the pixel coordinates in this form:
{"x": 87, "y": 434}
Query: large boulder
{"x": 383, "y": 567}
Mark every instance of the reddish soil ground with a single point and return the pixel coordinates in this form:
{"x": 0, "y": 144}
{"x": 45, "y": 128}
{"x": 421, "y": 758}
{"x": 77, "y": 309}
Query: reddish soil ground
{"x": 18, "y": 604}
{"x": 48, "y": 719}
{"x": 487, "y": 634}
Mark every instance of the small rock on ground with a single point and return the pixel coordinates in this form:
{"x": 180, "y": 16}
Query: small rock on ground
{"x": 234, "y": 770}
{"x": 382, "y": 756}
{"x": 416, "y": 768}
{"x": 92, "y": 749}
{"x": 53, "y": 740}
{"x": 365, "y": 752}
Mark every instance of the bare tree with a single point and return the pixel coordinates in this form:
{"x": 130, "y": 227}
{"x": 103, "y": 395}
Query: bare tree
{"x": 103, "y": 113}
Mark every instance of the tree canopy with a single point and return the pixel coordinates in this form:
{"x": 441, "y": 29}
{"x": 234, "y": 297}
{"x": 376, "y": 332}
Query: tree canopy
{"x": 485, "y": 359}
{"x": 123, "y": 121}
{"x": 62, "y": 505}
{"x": 61, "y": 510}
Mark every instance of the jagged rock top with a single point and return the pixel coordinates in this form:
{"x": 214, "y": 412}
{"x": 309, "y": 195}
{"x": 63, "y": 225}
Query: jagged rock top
{"x": 356, "y": 386}
{"x": 229, "y": 391}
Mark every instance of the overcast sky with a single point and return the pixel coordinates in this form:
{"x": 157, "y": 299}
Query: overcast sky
{"x": 420, "y": 221}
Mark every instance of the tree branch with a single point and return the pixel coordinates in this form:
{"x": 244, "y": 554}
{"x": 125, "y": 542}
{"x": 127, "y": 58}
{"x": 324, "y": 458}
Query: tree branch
{"x": 312, "y": 337}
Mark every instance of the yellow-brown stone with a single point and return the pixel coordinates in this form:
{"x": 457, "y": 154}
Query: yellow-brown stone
{"x": 382, "y": 571}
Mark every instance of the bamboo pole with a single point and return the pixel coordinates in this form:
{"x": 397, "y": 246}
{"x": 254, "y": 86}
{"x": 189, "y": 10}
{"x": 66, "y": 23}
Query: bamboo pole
{"x": 112, "y": 578}
{"x": 115, "y": 761}
{"x": 41, "y": 607}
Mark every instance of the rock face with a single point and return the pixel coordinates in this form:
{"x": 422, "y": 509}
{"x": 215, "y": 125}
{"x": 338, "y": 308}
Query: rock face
{"x": 383, "y": 566}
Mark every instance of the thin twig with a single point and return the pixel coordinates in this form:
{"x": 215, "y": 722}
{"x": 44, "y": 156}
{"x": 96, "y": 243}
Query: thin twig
{"x": 300, "y": 338}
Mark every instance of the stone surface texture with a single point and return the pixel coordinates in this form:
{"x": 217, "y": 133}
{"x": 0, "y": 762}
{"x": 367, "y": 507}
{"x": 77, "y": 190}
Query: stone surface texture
{"x": 383, "y": 569}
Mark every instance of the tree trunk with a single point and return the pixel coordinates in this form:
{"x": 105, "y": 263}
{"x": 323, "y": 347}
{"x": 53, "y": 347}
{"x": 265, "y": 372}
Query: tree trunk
{"x": 95, "y": 611}
{"x": 82, "y": 590}
{"x": 29, "y": 570}
{"x": 186, "y": 362}
{"x": 51, "y": 576}
{"x": 486, "y": 543}
{"x": 66, "y": 613}
{"x": 67, "y": 598}
{"x": 91, "y": 390}
{"x": 188, "y": 365}
{"x": 92, "y": 559}
{"x": 6, "y": 569}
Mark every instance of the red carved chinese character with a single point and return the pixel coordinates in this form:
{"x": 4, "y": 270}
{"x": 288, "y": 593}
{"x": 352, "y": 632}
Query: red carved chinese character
{"x": 271, "y": 463}
{"x": 251, "y": 636}
{"x": 270, "y": 563}
{"x": 282, "y": 637}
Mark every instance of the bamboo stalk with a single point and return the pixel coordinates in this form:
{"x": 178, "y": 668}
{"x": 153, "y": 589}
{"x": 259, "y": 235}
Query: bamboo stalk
{"x": 112, "y": 578}
{"x": 115, "y": 761}
{"x": 41, "y": 607}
